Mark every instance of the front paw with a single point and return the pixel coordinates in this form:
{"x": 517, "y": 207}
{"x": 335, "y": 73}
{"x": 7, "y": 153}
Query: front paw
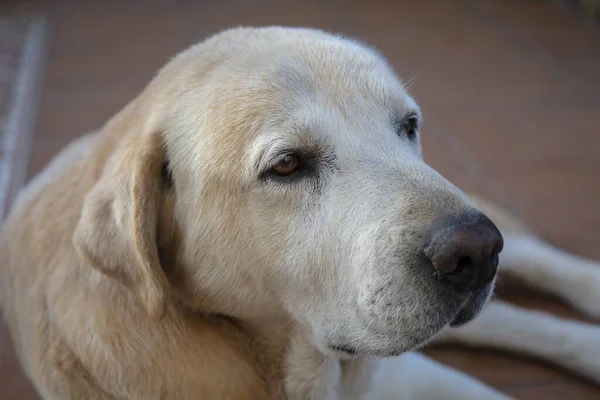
{"x": 583, "y": 292}
{"x": 580, "y": 351}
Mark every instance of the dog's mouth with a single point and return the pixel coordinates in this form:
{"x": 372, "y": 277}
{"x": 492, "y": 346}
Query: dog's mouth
{"x": 474, "y": 305}
{"x": 345, "y": 350}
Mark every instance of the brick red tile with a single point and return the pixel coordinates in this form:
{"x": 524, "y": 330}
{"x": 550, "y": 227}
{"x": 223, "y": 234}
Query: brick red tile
{"x": 561, "y": 38}
{"x": 545, "y": 23}
{"x": 13, "y": 384}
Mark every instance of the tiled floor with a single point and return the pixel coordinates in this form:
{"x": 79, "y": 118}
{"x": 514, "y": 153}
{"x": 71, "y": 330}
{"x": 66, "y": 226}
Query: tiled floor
{"x": 510, "y": 91}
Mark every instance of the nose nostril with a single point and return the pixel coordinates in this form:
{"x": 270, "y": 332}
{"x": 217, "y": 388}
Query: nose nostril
{"x": 464, "y": 251}
{"x": 462, "y": 264}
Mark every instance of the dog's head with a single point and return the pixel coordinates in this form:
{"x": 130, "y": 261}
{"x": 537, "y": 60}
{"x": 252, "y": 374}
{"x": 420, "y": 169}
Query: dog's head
{"x": 277, "y": 173}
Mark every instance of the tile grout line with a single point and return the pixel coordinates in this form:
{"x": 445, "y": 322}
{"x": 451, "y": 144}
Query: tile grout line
{"x": 21, "y": 119}
{"x": 23, "y": 114}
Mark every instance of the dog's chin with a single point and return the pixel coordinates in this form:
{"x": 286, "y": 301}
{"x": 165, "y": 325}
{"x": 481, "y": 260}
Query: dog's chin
{"x": 473, "y": 305}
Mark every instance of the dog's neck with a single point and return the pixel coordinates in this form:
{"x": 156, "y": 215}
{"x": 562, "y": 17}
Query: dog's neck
{"x": 311, "y": 374}
{"x": 295, "y": 369}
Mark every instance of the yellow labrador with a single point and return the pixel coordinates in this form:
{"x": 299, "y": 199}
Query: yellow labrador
{"x": 259, "y": 223}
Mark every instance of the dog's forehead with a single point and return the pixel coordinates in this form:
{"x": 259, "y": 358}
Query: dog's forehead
{"x": 332, "y": 85}
{"x": 280, "y": 68}
{"x": 337, "y": 88}
{"x": 341, "y": 72}
{"x": 314, "y": 83}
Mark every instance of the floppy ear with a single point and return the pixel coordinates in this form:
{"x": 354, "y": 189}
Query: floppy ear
{"x": 117, "y": 231}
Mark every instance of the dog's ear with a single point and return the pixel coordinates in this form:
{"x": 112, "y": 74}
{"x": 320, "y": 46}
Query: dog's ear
{"x": 118, "y": 229}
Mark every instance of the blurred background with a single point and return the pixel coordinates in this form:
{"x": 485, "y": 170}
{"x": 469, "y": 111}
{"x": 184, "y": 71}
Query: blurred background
{"x": 510, "y": 92}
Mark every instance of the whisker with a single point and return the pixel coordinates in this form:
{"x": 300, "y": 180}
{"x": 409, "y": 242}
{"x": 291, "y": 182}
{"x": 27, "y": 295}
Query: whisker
{"x": 412, "y": 80}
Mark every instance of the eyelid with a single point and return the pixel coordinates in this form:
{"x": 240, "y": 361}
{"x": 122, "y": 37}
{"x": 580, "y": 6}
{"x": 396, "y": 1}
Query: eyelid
{"x": 303, "y": 167}
{"x": 268, "y": 154}
{"x": 279, "y": 157}
{"x": 409, "y": 116}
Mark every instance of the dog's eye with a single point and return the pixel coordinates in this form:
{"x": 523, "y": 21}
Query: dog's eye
{"x": 290, "y": 166}
{"x": 287, "y": 165}
{"x": 409, "y": 126}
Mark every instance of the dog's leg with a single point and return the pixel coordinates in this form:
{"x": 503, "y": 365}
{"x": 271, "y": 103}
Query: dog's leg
{"x": 547, "y": 268}
{"x": 569, "y": 344}
{"x": 414, "y": 376}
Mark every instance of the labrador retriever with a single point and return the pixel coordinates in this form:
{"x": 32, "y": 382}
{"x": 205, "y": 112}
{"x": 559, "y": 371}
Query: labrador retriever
{"x": 259, "y": 223}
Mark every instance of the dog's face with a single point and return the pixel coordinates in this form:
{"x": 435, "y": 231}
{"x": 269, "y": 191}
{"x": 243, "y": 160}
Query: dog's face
{"x": 300, "y": 192}
{"x": 301, "y": 186}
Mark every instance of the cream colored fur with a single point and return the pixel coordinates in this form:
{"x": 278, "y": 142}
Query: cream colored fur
{"x": 120, "y": 282}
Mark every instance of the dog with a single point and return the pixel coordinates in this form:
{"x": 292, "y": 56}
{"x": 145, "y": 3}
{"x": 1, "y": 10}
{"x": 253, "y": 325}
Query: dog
{"x": 259, "y": 223}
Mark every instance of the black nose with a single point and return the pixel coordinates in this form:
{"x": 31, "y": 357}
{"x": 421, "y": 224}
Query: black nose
{"x": 464, "y": 251}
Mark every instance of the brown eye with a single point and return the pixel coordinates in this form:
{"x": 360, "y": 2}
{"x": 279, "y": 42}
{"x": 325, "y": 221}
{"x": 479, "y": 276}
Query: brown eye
{"x": 407, "y": 127}
{"x": 411, "y": 126}
{"x": 287, "y": 165}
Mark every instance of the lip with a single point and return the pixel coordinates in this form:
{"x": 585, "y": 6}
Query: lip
{"x": 463, "y": 317}
{"x": 345, "y": 349}
{"x": 477, "y": 300}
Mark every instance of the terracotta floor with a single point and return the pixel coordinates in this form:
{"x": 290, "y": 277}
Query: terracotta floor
{"x": 510, "y": 92}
